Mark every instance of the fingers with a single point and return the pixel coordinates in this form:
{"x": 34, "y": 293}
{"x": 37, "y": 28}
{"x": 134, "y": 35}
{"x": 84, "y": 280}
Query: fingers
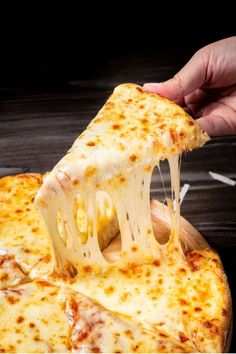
{"x": 217, "y": 125}
{"x": 191, "y": 77}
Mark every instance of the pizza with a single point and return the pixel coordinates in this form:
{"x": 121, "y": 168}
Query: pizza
{"x": 82, "y": 265}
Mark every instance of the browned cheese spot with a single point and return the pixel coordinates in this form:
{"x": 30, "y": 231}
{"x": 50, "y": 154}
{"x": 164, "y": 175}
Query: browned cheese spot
{"x": 53, "y": 293}
{"x": 197, "y": 309}
{"x": 121, "y": 117}
{"x": 32, "y": 325}
{"x": 193, "y": 259}
{"x": 215, "y": 260}
{"x": 129, "y": 334}
{"x": 183, "y": 337}
{"x": 162, "y": 126}
{"x": 173, "y": 136}
{"x": 148, "y": 168}
{"x": 12, "y": 299}
{"x": 124, "y": 296}
{"x": 182, "y": 270}
{"x": 116, "y": 126}
{"x": 213, "y": 328}
{"x": 224, "y": 312}
{"x": 90, "y": 171}
{"x": 109, "y": 290}
{"x": 133, "y": 158}
{"x": 144, "y": 121}
{"x": 36, "y": 338}
{"x": 183, "y": 302}
{"x": 134, "y": 248}
{"x": 207, "y": 324}
{"x": 145, "y": 130}
{"x": 75, "y": 182}
{"x": 91, "y": 143}
{"x": 109, "y": 105}
{"x": 122, "y": 179}
{"x": 190, "y": 122}
{"x": 43, "y": 283}
{"x": 20, "y": 319}
{"x": 4, "y": 276}
{"x": 35, "y": 229}
{"x": 156, "y": 263}
{"x": 87, "y": 269}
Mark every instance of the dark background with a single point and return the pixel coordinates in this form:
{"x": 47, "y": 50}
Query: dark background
{"x": 58, "y": 65}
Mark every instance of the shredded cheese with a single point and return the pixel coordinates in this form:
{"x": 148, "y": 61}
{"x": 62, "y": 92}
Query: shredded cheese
{"x": 222, "y": 178}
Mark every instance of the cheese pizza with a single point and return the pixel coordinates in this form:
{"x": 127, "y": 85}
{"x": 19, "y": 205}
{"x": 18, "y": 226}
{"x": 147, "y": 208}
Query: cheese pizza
{"x": 87, "y": 289}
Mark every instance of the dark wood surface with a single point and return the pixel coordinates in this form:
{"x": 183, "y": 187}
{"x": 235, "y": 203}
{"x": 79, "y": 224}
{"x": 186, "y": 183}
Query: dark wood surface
{"x": 38, "y": 123}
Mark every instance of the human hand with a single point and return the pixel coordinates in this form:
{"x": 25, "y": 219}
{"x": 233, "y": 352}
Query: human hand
{"x": 206, "y": 87}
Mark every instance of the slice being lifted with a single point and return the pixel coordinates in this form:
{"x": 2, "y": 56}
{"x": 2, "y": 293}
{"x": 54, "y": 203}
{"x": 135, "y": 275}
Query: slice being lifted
{"x": 115, "y": 157}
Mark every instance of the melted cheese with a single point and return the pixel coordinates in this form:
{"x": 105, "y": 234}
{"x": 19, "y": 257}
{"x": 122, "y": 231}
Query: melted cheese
{"x": 177, "y": 303}
{"x": 116, "y": 154}
{"x": 32, "y": 319}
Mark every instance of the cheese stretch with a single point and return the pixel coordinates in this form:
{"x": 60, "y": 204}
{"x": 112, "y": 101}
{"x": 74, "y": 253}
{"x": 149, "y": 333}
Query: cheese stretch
{"x": 112, "y": 162}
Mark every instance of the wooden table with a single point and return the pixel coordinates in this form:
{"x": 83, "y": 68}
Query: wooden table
{"x": 39, "y": 121}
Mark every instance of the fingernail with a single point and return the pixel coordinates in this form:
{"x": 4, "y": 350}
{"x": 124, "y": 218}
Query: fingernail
{"x": 152, "y": 85}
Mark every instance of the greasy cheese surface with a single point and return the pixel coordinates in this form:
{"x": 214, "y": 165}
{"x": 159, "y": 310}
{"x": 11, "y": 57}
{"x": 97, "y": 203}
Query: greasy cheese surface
{"x": 116, "y": 154}
{"x": 176, "y": 304}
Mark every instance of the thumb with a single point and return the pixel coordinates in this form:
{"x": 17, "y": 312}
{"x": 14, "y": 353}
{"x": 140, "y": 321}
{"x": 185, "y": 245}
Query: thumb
{"x": 218, "y": 125}
{"x": 191, "y": 77}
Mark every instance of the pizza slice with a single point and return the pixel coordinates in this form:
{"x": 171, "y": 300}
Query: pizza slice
{"x": 94, "y": 329}
{"x": 115, "y": 156}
